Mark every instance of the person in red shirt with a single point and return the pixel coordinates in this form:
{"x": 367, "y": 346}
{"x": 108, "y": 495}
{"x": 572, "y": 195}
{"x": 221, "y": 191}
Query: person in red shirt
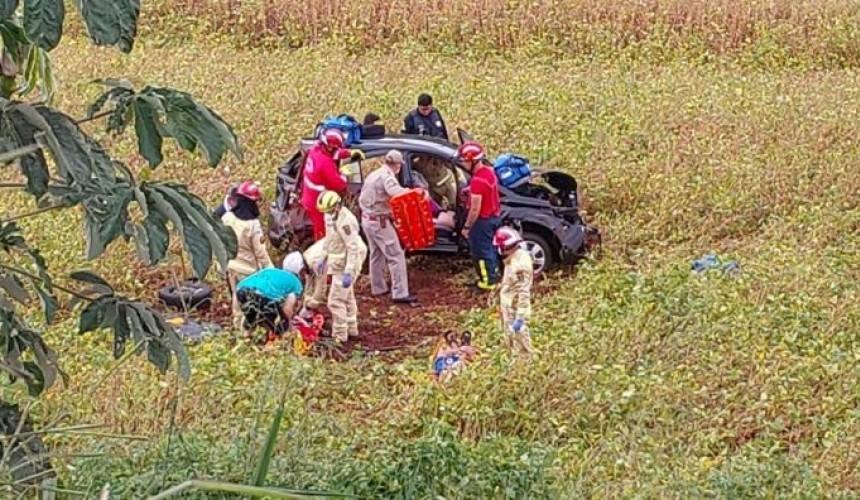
{"x": 321, "y": 173}
{"x": 484, "y": 213}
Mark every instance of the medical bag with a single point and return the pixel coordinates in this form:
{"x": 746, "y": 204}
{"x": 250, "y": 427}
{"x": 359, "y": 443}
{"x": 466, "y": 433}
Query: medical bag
{"x": 512, "y": 170}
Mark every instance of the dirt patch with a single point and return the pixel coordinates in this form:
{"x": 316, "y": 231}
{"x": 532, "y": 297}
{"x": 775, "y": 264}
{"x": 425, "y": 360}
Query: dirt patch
{"x": 396, "y": 330}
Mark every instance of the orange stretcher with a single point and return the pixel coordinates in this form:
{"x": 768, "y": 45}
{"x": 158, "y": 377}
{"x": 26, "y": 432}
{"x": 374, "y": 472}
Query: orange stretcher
{"x": 413, "y": 220}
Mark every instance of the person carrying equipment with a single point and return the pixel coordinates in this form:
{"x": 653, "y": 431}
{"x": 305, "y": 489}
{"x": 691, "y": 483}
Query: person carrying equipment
{"x": 269, "y": 298}
{"x": 515, "y": 292}
{"x": 344, "y": 256}
{"x": 321, "y": 173}
{"x": 484, "y": 213}
{"x": 376, "y": 220}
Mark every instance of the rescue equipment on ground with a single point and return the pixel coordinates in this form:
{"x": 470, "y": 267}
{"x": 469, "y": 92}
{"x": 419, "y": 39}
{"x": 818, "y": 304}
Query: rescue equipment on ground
{"x": 308, "y": 333}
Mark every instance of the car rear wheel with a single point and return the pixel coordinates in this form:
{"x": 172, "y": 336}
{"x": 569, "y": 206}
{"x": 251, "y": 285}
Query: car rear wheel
{"x": 540, "y": 250}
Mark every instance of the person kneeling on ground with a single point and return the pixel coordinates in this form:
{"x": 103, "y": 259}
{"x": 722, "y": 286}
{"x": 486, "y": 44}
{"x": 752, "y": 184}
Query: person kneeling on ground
{"x": 269, "y": 298}
{"x": 515, "y": 292}
{"x": 344, "y": 253}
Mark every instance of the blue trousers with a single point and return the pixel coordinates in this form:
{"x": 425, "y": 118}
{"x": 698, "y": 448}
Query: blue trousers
{"x": 483, "y": 252}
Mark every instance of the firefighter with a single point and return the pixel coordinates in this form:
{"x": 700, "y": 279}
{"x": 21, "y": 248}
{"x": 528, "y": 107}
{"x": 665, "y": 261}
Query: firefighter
{"x": 251, "y": 255}
{"x": 315, "y": 281}
{"x": 321, "y": 173}
{"x": 483, "y": 218}
{"x": 378, "y": 225}
{"x": 515, "y": 292}
{"x": 344, "y": 256}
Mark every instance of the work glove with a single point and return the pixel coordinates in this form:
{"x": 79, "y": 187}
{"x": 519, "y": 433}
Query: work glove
{"x": 356, "y": 155}
{"x": 345, "y": 170}
{"x": 517, "y": 325}
{"x": 320, "y": 267}
{"x": 347, "y": 280}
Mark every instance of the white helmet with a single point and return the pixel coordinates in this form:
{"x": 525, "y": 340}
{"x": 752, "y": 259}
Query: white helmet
{"x": 294, "y": 262}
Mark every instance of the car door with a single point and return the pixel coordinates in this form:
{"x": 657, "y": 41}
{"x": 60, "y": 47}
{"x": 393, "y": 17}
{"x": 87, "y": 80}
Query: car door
{"x": 438, "y": 176}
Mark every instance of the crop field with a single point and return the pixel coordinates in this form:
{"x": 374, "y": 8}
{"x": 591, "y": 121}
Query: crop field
{"x": 713, "y": 129}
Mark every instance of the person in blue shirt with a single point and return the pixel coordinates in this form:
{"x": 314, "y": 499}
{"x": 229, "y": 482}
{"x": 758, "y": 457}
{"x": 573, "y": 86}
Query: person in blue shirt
{"x": 270, "y": 298}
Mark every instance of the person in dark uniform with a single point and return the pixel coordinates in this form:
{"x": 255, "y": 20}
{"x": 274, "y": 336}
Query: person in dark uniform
{"x": 425, "y": 120}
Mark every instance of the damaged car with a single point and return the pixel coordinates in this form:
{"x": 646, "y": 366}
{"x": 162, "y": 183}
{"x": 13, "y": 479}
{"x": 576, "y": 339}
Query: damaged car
{"x": 545, "y": 210}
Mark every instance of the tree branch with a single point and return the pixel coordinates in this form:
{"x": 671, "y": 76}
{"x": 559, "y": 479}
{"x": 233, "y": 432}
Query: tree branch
{"x": 61, "y": 288}
{"x": 32, "y": 214}
{"x": 18, "y": 152}
{"x": 95, "y": 117}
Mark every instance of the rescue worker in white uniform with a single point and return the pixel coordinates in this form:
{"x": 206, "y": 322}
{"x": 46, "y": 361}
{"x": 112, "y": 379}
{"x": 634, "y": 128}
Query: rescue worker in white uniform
{"x": 344, "y": 256}
{"x": 315, "y": 279}
{"x": 377, "y": 222}
{"x": 515, "y": 292}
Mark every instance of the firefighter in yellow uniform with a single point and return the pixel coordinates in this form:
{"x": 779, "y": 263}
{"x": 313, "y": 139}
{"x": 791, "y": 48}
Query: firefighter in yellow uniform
{"x": 345, "y": 253}
{"x": 515, "y": 291}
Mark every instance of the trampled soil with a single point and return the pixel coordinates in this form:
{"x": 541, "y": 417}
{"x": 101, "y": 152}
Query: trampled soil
{"x": 441, "y": 285}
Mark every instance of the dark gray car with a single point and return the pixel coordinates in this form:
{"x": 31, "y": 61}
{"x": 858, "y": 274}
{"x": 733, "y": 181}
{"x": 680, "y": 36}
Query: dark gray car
{"x": 545, "y": 211}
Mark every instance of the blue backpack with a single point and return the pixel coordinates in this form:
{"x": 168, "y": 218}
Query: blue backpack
{"x": 348, "y": 125}
{"x": 512, "y": 170}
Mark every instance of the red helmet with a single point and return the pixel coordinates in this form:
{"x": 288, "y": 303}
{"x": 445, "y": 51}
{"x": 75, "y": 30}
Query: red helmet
{"x": 470, "y": 151}
{"x": 332, "y": 138}
{"x": 506, "y": 238}
{"x": 249, "y": 190}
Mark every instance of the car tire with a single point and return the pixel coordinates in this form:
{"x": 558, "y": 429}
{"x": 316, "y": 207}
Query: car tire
{"x": 190, "y": 294}
{"x": 540, "y": 250}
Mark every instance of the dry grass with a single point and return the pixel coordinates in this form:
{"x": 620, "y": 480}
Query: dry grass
{"x": 652, "y": 382}
{"x": 825, "y": 31}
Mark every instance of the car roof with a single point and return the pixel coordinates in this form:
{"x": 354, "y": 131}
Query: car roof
{"x": 405, "y": 142}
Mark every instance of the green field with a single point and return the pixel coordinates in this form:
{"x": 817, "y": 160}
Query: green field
{"x": 650, "y": 382}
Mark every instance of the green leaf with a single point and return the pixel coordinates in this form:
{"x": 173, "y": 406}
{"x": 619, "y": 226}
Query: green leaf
{"x": 13, "y": 128}
{"x": 49, "y": 302}
{"x": 87, "y": 162}
{"x": 36, "y": 381}
{"x": 38, "y": 74}
{"x": 148, "y": 139}
{"x": 114, "y": 94}
{"x": 90, "y": 277}
{"x": 94, "y": 315}
{"x": 158, "y": 355}
{"x": 194, "y": 239}
{"x": 106, "y": 219}
{"x": 7, "y": 9}
{"x": 46, "y": 359}
{"x": 43, "y": 22}
{"x": 202, "y": 222}
{"x": 269, "y": 447}
{"x": 158, "y": 239}
{"x": 111, "y": 22}
{"x": 14, "y": 288}
{"x": 192, "y": 123}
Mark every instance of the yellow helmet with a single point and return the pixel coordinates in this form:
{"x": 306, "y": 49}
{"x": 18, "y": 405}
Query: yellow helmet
{"x": 327, "y": 201}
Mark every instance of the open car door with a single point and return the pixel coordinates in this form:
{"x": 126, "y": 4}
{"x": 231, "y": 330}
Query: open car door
{"x": 464, "y": 136}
